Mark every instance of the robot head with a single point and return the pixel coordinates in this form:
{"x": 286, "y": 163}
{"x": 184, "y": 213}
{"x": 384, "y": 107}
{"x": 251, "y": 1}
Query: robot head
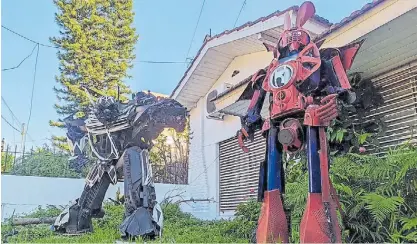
{"x": 295, "y": 38}
{"x": 143, "y": 98}
{"x": 106, "y": 109}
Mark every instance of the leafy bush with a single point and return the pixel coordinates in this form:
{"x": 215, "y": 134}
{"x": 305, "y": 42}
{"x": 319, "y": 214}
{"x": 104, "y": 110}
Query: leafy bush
{"x": 44, "y": 163}
{"x": 378, "y": 196}
{"x": 347, "y": 135}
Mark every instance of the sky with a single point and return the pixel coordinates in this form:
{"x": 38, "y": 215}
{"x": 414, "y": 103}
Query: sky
{"x": 165, "y": 29}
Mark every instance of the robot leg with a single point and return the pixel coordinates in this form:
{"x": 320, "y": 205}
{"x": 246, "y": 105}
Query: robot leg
{"x": 76, "y": 219}
{"x": 272, "y": 224}
{"x": 143, "y": 215}
{"x": 319, "y": 223}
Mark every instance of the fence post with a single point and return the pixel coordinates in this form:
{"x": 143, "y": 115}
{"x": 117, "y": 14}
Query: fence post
{"x": 23, "y": 155}
{"x": 14, "y": 159}
{"x": 175, "y": 172}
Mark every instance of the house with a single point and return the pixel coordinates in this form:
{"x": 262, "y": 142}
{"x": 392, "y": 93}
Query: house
{"x": 225, "y": 62}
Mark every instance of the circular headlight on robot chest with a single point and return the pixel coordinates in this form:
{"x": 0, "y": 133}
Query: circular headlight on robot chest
{"x": 281, "y": 76}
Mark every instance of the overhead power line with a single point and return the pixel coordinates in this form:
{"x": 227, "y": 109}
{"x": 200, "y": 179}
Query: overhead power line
{"x": 5, "y": 120}
{"x": 27, "y": 38}
{"x": 13, "y": 115}
{"x": 15, "y": 119}
{"x": 21, "y": 62}
{"x": 33, "y": 88}
{"x": 195, "y": 29}
{"x": 243, "y": 5}
{"x": 45, "y": 45}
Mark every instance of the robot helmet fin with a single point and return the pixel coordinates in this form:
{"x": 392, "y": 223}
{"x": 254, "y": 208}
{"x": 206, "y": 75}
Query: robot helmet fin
{"x": 287, "y": 21}
{"x": 305, "y": 12}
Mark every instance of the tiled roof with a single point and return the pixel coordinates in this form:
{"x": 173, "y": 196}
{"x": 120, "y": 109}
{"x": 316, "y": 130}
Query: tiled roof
{"x": 351, "y": 17}
{"x": 247, "y": 24}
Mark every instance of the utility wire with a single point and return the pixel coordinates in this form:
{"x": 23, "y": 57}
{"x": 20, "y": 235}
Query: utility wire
{"x": 243, "y": 5}
{"x": 5, "y": 120}
{"x": 45, "y": 45}
{"x": 15, "y": 67}
{"x": 24, "y": 37}
{"x": 13, "y": 116}
{"x": 31, "y": 98}
{"x": 15, "y": 119}
{"x": 195, "y": 29}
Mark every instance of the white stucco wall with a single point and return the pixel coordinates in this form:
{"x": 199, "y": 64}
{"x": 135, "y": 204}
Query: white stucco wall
{"x": 207, "y": 133}
{"x": 23, "y": 194}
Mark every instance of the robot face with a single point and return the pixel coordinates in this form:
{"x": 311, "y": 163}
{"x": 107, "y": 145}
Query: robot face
{"x": 106, "y": 109}
{"x": 281, "y": 76}
{"x": 106, "y": 101}
{"x": 294, "y": 39}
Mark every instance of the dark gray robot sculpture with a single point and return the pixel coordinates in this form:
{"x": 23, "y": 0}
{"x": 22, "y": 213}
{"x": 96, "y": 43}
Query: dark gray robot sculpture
{"x": 119, "y": 136}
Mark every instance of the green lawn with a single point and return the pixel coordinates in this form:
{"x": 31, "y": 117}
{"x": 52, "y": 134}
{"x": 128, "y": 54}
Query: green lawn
{"x": 178, "y": 228}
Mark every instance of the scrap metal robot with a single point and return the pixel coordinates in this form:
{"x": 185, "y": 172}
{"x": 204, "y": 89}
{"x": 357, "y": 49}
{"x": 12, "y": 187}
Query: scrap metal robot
{"x": 120, "y": 136}
{"x": 305, "y": 87}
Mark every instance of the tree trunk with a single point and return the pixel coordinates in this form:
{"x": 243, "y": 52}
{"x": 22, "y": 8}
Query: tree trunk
{"x": 33, "y": 221}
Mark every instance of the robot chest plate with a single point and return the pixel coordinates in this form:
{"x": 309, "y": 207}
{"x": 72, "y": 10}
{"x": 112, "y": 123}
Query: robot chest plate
{"x": 281, "y": 76}
{"x": 286, "y": 99}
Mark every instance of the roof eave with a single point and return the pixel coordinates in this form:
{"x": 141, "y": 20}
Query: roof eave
{"x": 354, "y": 15}
{"x": 319, "y": 20}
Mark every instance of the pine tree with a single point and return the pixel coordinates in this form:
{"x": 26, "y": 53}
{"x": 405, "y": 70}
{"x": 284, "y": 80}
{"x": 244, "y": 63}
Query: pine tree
{"x": 96, "y": 46}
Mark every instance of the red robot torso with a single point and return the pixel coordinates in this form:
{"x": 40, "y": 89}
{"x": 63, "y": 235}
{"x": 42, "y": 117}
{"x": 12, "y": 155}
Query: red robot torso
{"x": 283, "y": 78}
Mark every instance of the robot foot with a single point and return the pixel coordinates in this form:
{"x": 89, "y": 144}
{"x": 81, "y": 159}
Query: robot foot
{"x": 138, "y": 223}
{"x": 74, "y": 221}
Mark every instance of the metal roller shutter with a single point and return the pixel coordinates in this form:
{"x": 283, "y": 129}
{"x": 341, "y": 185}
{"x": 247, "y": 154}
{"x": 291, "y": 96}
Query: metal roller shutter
{"x": 399, "y": 90}
{"x": 239, "y": 171}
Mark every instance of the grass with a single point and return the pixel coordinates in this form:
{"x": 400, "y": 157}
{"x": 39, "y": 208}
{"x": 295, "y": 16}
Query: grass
{"x": 179, "y": 227}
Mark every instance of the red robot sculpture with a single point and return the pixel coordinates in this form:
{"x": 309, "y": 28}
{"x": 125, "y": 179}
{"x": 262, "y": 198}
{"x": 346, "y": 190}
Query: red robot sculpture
{"x": 304, "y": 86}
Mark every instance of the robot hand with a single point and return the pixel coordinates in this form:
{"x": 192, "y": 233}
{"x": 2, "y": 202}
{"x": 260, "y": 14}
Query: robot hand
{"x": 249, "y": 125}
{"x": 328, "y": 109}
{"x": 321, "y": 114}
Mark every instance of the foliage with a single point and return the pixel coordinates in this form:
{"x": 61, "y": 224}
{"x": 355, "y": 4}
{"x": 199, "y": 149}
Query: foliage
{"x": 96, "y": 45}
{"x": 377, "y": 196}
{"x": 170, "y": 154}
{"x": 352, "y": 129}
{"x": 49, "y": 211}
{"x": 178, "y": 227}
{"x": 61, "y": 143}
{"x": 7, "y": 160}
{"x": 249, "y": 210}
{"x": 45, "y": 163}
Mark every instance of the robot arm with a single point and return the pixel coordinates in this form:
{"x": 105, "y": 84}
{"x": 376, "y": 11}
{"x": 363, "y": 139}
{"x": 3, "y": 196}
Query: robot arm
{"x": 335, "y": 63}
{"x": 77, "y": 139}
{"x": 253, "y": 119}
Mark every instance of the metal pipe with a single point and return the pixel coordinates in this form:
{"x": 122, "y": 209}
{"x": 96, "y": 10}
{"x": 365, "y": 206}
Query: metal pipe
{"x": 313, "y": 160}
{"x": 274, "y": 162}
